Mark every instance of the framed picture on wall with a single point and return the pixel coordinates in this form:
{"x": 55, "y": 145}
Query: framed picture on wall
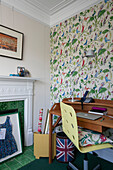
{"x": 11, "y": 43}
{"x": 10, "y": 136}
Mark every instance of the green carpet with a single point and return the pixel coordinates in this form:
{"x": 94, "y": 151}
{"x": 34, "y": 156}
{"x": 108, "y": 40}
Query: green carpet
{"x": 43, "y": 163}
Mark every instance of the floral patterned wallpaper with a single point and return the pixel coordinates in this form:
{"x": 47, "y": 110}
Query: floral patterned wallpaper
{"x": 71, "y": 71}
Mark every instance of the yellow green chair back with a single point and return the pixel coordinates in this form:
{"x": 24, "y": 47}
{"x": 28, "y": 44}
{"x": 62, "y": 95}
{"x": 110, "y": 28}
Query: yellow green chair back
{"x": 70, "y": 128}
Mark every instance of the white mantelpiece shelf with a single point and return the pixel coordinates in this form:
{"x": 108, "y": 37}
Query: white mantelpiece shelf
{"x": 20, "y": 88}
{"x": 18, "y": 78}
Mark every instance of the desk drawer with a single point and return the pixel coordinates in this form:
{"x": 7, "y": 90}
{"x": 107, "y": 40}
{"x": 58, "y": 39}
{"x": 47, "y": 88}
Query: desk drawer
{"x": 90, "y": 126}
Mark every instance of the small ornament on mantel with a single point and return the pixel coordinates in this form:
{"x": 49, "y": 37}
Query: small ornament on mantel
{"x": 40, "y": 121}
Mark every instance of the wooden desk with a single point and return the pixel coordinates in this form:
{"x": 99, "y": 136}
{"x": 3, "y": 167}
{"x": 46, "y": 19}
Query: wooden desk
{"x": 96, "y": 125}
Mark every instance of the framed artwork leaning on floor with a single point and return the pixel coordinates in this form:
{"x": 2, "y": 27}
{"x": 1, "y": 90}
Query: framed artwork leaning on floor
{"x": 10, "y": 136}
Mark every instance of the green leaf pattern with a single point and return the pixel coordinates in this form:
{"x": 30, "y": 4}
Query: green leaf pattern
{"x": 70, "y": 70}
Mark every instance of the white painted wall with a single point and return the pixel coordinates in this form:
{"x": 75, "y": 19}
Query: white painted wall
{"x": 35, "y": 56}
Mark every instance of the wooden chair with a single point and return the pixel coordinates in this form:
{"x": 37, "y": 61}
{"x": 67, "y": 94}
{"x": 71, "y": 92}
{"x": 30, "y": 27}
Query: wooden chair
{"x": 70, "y": 128}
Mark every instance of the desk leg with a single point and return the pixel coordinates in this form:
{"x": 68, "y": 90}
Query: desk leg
{"x": 50, "y": 137}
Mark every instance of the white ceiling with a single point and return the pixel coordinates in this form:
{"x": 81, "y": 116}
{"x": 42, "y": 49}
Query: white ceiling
{"x": 50, "y": 6}
{"x": 50, "y": 12}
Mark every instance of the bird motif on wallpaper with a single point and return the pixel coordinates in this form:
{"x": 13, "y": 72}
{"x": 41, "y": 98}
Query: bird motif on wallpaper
{"x": 86, "y": 88}
{"x": 86, "y": 77}
{"x": 66, "y": 52}
{"x": 63, "y": 64}
{"x": 77, "y": 31}
{"x": 106, "y": 97}
{"x": 83, "y": 63}
{"x": 106, "y": 78}
{"x": 90, "y": 64}
{"x": 66, "y": 22}
{"x": 61, "y": 81}
{"x": 105, "y": 59}
{"x": 61, "y": 52}
{"x": 104, "y": 22}
{"x": 85, "y": 18}
{"x": 110, "y": 65}
{"x": 57, "y": 81}
{"x": 69, "y": 28}
{"x": 62, "y": 34}
{"x": 90, "y": 28}
{"x": 63, "y": 73}
{"x": 76, "y": 47}
{"x": 63, "y": 93}
{"x": 66, "y": 82}
{"x": 57, "y": 52}
{"x": 82, "y": 28}
{"x": 111, "y": 9}
{"x": 101, "y": 46}
{"x": 54, "y": 60}
{"x": 100, "y": 9}
{"x": 106, "y": 1}
{"x": 96, "y": 73}
{"x": 77, "y": 95}
{"x": 71, "y": 91}
{"x": 70, "y": 60}
{"x": 73, "y": 71}
{"x": 56, "y": 68}
{"x": 95, "y": 87}
{"x": 52, "y": 77}
{"x": 106, "y": 39}
{"x": 60, "y": 24}
{"x": 85, "y": 43}
{"x": 109, "y": 25}
{"x": 69, "y": 40}
{"x": 77, "y": 81}
{"x": 56, "y": 96}
{"x": 63, "y": 43}
{"x": 102, "y": 84}
{"x": 54, "y": 88}
{"x": 95, "y": 38}
{"x": 80, "y": 86}
{"x": 94, "y": 13}
{"x": 77, "y": 62}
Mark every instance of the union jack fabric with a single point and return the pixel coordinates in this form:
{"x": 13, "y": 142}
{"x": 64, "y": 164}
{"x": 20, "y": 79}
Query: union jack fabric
{"x": 64, "y": 150}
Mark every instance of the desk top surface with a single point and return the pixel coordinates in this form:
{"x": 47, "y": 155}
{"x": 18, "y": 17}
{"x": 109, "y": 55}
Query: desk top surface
{"x": 107, "y": 122}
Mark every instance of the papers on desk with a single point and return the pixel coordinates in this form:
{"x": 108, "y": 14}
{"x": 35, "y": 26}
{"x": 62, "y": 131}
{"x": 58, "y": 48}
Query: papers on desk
{"x": 98, "y": 111}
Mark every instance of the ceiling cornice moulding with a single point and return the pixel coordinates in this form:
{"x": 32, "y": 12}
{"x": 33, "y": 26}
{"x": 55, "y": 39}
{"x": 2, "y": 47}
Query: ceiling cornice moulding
{"x": 28, "y": 10}
{"x": 71, "y": 10}
{"x": 55, "y": 15}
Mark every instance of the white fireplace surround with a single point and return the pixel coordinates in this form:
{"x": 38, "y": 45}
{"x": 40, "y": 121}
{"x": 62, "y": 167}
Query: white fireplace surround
{"x": 15, "y": 89}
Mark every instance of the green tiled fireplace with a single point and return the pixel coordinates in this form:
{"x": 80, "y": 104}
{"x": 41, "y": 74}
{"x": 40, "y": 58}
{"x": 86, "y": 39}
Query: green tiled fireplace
{"x": 10, "y": 105}
{"x": 17, "y": 93}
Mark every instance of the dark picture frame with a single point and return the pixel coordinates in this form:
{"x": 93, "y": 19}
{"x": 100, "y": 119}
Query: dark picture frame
{"x": 11, "y": 43}
{"x": 10, "y": 136}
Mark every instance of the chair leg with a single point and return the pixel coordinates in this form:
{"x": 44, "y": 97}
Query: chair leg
{"x": 72, "y": 166}
{"x": 97, "y": 167}
{"x": 85, "y": 163}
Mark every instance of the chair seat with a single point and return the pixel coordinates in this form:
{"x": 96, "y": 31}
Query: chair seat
{"x": 89, "y": 137}
{"x": 94, "y": 147}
